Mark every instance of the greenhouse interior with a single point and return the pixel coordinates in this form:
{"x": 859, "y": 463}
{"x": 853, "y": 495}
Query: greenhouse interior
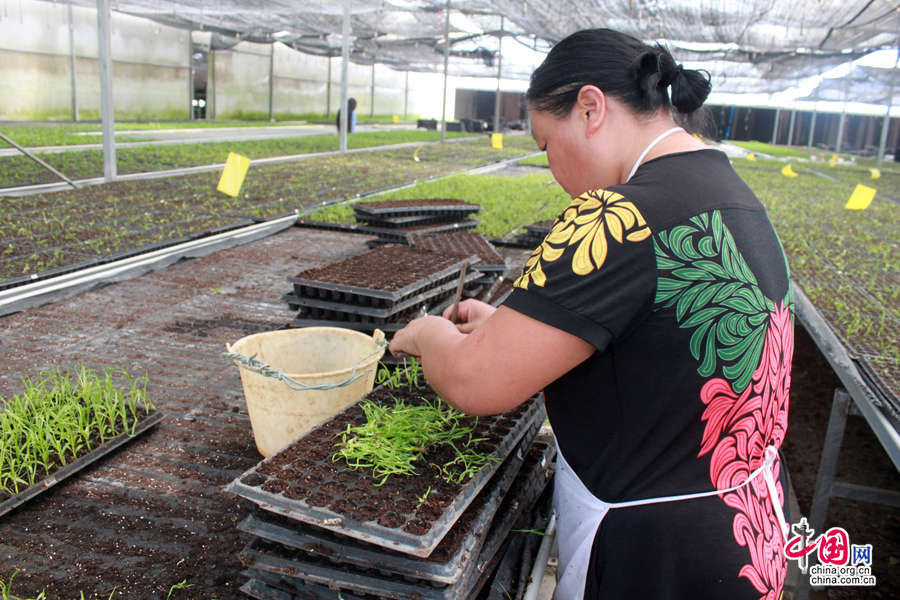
{"x": 241, "y": 228}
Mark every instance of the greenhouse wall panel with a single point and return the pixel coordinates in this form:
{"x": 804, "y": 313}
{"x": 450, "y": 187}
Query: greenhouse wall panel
{"x": 242, "y": 81}
{"x": 150, "y": 65}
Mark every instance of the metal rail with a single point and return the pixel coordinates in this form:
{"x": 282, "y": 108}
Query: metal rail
{"x": 63, "y": 286}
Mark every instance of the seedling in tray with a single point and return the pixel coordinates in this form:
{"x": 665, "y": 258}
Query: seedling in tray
{"x": 62, "y": 416}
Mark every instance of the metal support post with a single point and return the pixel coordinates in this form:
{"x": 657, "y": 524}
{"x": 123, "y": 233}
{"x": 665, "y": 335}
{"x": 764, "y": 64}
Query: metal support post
{"x": 345, "y": 70}
{"x": 499, "y": 75}
{"x": 790, "y": 139}
{"x": 107, "y": 109}
{"x": 190, "y": 77}
{"x": 406, "y": 98}
{"x": 372, "y": 96}
{"x": 886, "y": 125}
{"x": 775, "y": 127}
{"x": 74, "y": 64}
{"x": 446, "y": 68}
{"x": 328, "y": 91}
{"x": 812, "y": 130}
{"x": 272, "y": 84}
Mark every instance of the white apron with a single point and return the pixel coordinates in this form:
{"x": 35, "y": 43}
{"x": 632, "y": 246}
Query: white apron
{"x": 579, "y": 513}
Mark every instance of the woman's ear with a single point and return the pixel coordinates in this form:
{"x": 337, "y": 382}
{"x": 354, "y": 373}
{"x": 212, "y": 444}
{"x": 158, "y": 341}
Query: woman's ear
{"x": 591, "y": 104}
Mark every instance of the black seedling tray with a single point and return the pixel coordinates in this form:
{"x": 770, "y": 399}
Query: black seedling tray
{"x": 409, "y": 208}
{"x": 280, "y": 568}
{"x": 435, "y": 306}
{"x": 429, "y": 219}
{"x": 447, "y": 563}
{"x": 379, "y": 298}
{"x": 318, "y": 485}
{"x": 377, "y": 309}
{"x": 400, "y": 236}
{"x": 78, "y": 464}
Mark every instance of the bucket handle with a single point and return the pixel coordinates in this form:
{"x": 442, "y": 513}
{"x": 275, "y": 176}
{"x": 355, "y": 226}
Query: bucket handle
{"x": 254, "y": 364}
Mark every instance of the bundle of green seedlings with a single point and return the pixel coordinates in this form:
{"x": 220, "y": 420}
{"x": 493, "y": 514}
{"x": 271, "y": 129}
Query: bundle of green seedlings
{"x": 63, "y": 415}
{"x": 395, "y": 437}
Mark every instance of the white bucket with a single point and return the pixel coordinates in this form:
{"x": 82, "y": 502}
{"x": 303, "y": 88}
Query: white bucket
{"x": 312, "y": 356}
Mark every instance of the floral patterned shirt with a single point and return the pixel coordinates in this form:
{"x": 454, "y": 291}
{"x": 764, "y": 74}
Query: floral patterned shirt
{"x": 679, "y": 281}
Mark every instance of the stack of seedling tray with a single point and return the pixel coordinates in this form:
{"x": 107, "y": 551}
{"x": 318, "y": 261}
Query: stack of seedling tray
{"x": 393, "y": 221}
{"x": 327, "y": 531}
{"x": 376, "y": 288}
{"x": 534, "y": 234}
{"x": 491, "y": 263}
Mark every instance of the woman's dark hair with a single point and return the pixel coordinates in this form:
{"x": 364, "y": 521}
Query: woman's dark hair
{"x": 632, "y": 72}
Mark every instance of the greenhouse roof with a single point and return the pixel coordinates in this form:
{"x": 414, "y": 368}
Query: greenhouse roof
{"x": 748, "y": 46}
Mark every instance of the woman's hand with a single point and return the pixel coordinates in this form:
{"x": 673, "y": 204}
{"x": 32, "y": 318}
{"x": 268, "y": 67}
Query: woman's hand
{"x": 406, "y": 341}
{"x": 472, "y": 313}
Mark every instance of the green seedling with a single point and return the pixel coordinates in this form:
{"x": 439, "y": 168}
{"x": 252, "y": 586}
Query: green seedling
{"x": 62, "y": 415}
{"x": 179, "y": 586}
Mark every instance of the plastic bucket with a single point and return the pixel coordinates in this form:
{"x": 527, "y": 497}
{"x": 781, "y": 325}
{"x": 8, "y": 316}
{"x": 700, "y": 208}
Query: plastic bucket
{"x": 312, "y": 356}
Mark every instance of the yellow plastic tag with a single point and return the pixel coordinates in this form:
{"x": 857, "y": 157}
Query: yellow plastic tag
{"x": 233, "y": 176}
{"x": 861, "y": 198}
{"x": 787, "y": 171}
{"x": 751, "y": 156}
{"x": 396, "y": 118}
{"x": 497, "y": 141}
{"x": 416, "y": 153}
{"x": 876, "y": 174}
{"x": 833, "y": 161}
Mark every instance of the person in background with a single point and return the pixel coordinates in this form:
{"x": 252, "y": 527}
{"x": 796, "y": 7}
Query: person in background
{"x": 657, "y": 318}
{"x": 351, "y": 122}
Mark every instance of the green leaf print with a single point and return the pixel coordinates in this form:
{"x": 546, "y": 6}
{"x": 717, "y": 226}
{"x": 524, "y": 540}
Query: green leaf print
{"x": 715, "y": 293}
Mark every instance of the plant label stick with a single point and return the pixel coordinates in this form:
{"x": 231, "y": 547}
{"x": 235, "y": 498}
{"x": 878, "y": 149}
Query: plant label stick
{"x": 459, "y": 289}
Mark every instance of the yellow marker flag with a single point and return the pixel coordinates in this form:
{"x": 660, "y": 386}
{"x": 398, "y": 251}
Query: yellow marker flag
{"x": 787, "y": 171}
{"x": 751, "y": 156}
{"x": 876, "y": 174}
{"x": 396, "y": 118}
{"x": 497, "y": 141}
{"x": 833, "y": 161}
{"x": 861, "y": 198}
{"x": 233, "y": 176}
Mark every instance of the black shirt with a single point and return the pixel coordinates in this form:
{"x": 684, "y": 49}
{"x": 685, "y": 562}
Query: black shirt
{"x": 679, "y": 281}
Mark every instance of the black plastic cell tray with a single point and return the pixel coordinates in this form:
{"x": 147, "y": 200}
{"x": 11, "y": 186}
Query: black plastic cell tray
{"x": 364, "y": 208}
{"x": 318, "y": 542}
{"x": 435, "y": 307}
{"x": 351, "y": 294}
{"x": 389, "y": 222}
{"x": 377, "y": 308}
{"x": 523, "y": 419}
{"x": 402, "y": 237}
{"x": 78, "y": 464}
{"x": 876, "y": 382}
{"x": 289, "y": 571}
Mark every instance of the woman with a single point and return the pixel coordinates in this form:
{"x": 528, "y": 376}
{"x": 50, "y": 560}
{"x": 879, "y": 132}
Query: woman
{"x": 656, "y": 317}
{"x": 351, "y": 114}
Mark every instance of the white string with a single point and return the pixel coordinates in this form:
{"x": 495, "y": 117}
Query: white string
{"x": 650, "y": 147}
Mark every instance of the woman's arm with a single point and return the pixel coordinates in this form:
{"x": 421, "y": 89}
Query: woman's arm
{"x": 502, "y": 363}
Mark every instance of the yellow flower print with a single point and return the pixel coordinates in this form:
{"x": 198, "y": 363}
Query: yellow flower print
{"x": 588, "y": 222}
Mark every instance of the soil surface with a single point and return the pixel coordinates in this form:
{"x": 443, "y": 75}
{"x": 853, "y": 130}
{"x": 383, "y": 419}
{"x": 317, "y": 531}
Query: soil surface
{"x": 153, "y": 515}
{"x": 388, "y": 268}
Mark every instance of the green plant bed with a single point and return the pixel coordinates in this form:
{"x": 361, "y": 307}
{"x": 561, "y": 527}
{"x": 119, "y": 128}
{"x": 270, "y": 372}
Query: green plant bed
{"x": 85, "y": 164}
{"x": 847, "y": 261}
{"x": 508, "y": 203}
{"x": 779, "y": 151}
{"x": 106, "y": 219}
{"x": 535, "y": 161}
{"x": 61, "y": 416}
